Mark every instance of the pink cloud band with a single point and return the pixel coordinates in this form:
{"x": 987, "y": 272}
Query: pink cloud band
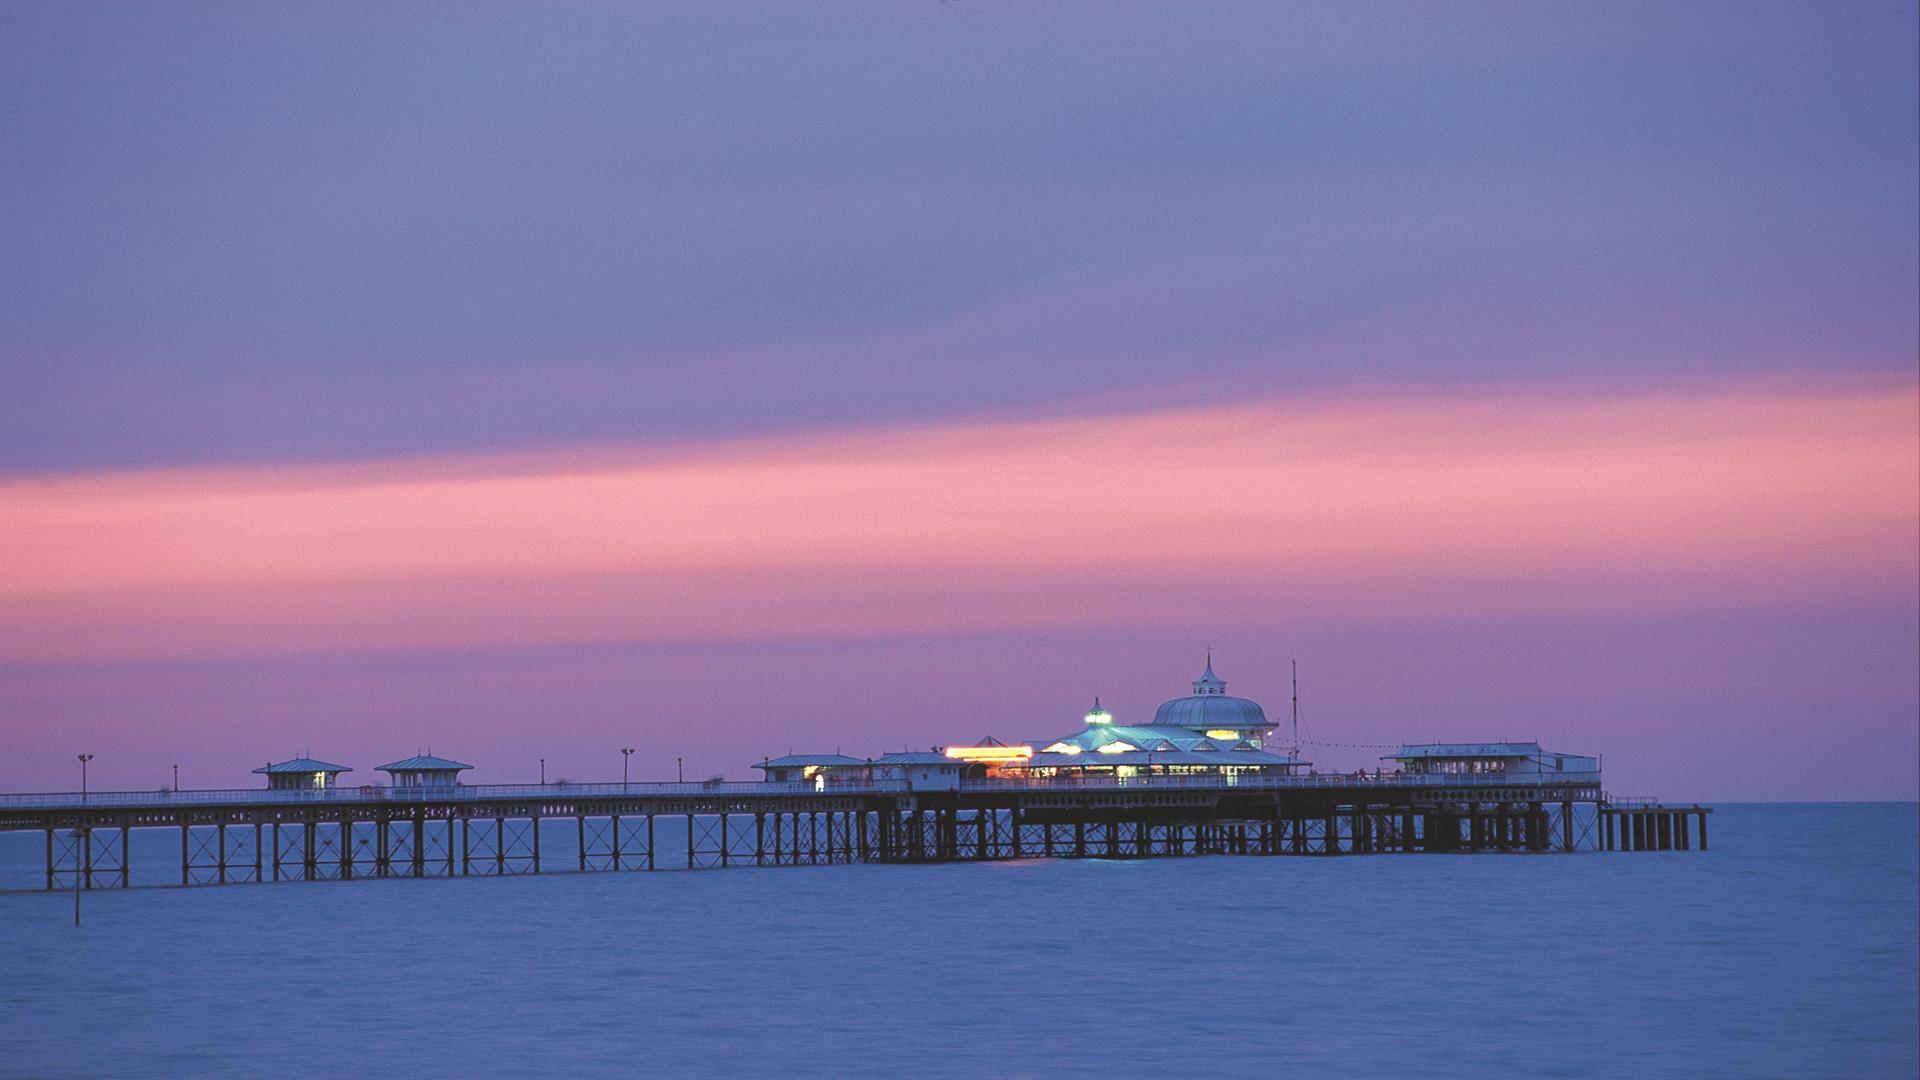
{"x": 1514, "y": 500}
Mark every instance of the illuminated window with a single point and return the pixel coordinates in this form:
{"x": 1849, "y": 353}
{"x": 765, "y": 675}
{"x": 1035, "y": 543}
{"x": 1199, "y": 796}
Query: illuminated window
{"x": 1117, "y": 748}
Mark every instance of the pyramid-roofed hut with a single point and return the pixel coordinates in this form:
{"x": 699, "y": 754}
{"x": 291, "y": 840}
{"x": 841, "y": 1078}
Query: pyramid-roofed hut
{"x": 301, "y": 774}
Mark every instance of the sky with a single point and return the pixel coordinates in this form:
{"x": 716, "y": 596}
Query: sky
{"x": 719, "y": 380}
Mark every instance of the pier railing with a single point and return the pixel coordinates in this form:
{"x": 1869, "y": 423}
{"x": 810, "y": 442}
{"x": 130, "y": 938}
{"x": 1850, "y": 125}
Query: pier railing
{"x": 374, "y": 793}
{"x": 511, "y": 792}
{"x": 1312, "y": 780}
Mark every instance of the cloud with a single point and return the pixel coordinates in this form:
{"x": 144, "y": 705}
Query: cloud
{"x": 1520, "y": 499}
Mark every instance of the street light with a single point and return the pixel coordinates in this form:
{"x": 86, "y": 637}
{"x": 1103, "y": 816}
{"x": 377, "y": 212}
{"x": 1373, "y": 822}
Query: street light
{"x": 626, "y": 754}
{"x": 176, "y": 778}
{"x": 81, "y": 844}
{"x": 543, "y": 770}
{"x": 680, "y": 769}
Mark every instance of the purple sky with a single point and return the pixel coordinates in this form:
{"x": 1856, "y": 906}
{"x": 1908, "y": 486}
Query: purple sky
{"x": 273, "y": 241}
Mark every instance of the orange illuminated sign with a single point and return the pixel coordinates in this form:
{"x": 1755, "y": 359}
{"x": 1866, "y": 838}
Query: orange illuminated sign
{"x": 991, "y": 754}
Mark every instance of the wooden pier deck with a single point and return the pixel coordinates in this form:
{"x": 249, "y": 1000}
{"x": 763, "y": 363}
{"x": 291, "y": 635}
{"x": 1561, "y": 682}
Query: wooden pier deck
{"x": 345, "y": 833}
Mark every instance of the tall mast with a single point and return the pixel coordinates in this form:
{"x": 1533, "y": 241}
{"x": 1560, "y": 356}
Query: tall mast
{"x": 1296, "y": 709}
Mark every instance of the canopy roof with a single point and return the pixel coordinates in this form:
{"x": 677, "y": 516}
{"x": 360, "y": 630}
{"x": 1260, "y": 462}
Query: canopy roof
{"x": 1422, "y": 751}
{"x": 1211, "y": 759}
{"x": 1152, "y": 744}
{"x": 303, "y": 765}
{"x": 801, "y": 760}
{"x": 425, "y": 763}
{"x": 916, "y": 757}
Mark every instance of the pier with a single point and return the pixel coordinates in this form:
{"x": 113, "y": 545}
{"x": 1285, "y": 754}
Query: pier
{"x": 1645, "y": 825}
{"x": 240, "y": 836}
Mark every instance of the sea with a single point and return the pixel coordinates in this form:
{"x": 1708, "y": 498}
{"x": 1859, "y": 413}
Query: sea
{"x": 1790, "y": 948}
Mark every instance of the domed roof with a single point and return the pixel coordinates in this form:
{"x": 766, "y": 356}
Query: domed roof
{"x": 1211, "y": 711}
{"x": 1210, "y": 707}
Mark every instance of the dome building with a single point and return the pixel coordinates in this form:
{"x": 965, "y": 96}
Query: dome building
{"x": 1204, "y": 732}
{"x": 1209, "y": 711}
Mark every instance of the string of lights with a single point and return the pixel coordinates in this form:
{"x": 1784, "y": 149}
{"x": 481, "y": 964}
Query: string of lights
{"x": 1353, "y": 745}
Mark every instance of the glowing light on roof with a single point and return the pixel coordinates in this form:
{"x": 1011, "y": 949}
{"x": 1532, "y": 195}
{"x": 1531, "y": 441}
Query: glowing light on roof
{"x": 991, "y": 754}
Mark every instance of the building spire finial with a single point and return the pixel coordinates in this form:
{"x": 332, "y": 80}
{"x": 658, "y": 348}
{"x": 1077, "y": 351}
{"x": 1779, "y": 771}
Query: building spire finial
{"x": 1208, "y": 682}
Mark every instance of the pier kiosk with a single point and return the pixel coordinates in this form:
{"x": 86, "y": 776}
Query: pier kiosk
{"x": 816, "y": 769}
{"x": 1511, "y": 760}
{"x": 301, "y": 774}
{"x": 425, "y": 771}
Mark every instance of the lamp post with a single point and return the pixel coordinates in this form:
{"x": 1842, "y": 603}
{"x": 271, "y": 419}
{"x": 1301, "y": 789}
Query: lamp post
{"x": 626, "y": 755}
{"x": 176, "y": 778}
{"x": 680, "y": 769}
{"x": 80, "y": 859}
{"x": 543, "y": 770}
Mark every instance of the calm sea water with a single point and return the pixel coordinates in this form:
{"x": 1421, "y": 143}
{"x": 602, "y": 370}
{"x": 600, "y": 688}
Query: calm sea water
{"x": 1791, "y": 949}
